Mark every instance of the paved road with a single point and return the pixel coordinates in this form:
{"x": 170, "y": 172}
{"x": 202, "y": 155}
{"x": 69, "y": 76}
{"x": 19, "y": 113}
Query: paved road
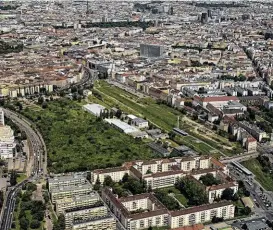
{"x": 39, "y": 167}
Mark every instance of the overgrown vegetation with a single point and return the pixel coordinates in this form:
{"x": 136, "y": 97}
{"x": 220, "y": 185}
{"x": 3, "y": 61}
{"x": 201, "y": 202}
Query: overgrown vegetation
{"x": 28, "y": 213}
{"x": 192, "y": 190}
{"x": 77, "y": 141}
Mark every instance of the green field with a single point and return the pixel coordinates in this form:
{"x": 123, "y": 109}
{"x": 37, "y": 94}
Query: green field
{"x": 180, "y": 197}
{"x": 198, "y": 146}
{"x": 159, "y": 114}
{"x": 77, "y": 141}
{"x": 265, "y": 179}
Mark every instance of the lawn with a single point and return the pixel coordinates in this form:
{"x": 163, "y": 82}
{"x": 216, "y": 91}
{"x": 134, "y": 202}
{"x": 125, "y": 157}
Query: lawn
{"x": 264, "y": 178}
{"x": 159, "y": 114}
{"x": 198, "y": 146}
{"x": 77, "y": 141}
{"x": 180, "y": 197}
{"x": 21, "y": 177}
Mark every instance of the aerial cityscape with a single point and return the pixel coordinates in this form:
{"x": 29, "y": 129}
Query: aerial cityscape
{"x": 136, "y": 115}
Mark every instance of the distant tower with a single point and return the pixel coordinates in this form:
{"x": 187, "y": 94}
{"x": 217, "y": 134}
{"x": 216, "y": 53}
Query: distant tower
{"x": 2, "y": 118}
{"x": 209, "y": 13}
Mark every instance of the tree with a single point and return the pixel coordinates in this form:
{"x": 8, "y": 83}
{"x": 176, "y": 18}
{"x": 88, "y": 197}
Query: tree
{"x": 97, "y": 184}
{"x": 40, "y": 100}
{"x": 227, "y": 194}
{"x": 193, "y": 191}
{"x": 118, "y": 113}
{"x": 167, "y": 200}
{"x": 209, "y": 180}
{"x": 24, "y": 223}
{"x": 60, "y": 224}
{"x": 13, "y": 178}
{"x": 125, "y": 178}
{"x": 108, "y": 181}
{"x": 35, "y": 223}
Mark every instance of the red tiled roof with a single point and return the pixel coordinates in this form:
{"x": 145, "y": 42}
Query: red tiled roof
{"x": 193, "y": 227}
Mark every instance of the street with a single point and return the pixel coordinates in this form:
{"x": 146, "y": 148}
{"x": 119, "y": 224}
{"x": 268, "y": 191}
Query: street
{"x": 38, "y": 169}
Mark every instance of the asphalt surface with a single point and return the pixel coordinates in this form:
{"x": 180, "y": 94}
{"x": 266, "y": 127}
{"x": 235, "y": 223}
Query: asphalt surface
{"x": 39, "y": 167}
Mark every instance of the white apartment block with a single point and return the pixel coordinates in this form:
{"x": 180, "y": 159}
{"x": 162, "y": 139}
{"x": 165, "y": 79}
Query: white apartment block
{"x": 163, "y": 179}
{"x": 216, "y": 191}
{"x": 155, "y": 214}
{"x": 2, "y": 118}
{"x": 201, "y": 214}
{"x": 115, "y": 173}
{"x": 97, "y": 223}
{"x": 69, "y": 180}
{"x": 70, "y": 191}
{"x": 84, "y": 214}
{"x": 76, "y": 202}
{"x": 7, "y": 142}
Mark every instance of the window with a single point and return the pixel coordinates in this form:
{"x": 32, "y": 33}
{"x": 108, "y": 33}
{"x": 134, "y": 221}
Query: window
{"x": 224, "y": 212}
{"x": 150, "y": 221}
{"x": 157, "y": 220}
{"x": 141, "y": 223}
{"x": 181, "y": 221}
{"x": 188, "y": 165}
{"x": 134, "y": 205}
{"x": 203, "y": 215}
{"x": 212, "y": 213}
{"x": 192, "y": 219}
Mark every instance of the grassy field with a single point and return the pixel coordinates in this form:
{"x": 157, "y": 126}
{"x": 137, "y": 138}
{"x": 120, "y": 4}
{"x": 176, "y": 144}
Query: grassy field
{"x": 159, "y": 114}
{"x": 21, "y": 177}
{"x": 164, "y": 117}
{"x": 265, "y": 179}
{"x": 198, "y": 146}
{"x": 180, "y": 197}
{"x": 77, "y": 141}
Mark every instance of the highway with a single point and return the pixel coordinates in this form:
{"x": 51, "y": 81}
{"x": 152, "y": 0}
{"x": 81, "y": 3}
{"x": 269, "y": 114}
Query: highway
{"x": 39, "y": 167}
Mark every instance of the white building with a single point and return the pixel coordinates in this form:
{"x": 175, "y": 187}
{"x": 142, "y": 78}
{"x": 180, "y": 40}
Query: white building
{"x": 122, "y": 126}
{"x": 7, "y": 142}
{"x": 201, "y": 214}
{"x": 2, "y": 118}
{"x": 95, "y": 109}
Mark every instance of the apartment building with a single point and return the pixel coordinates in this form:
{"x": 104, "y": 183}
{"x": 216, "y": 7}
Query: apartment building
{"x": 84, "y": 213}
{"x": 144, "y": 210}
{"x": 69, "y": 180}
{"x": 70, "y": 191}
{"x": 216, "y": 191}
{"x": 138, "y": 211}
{"x": 2, "y": 117}
{"x": 76, "y": 202}
{"x": 201, "y": 214}
{"x": 163, "y": 179}
{"x": 115, "y": 173}
{"x": 7, "y": 142}
{"x": 254, "y": 130}
{"x": 107, "y": 222}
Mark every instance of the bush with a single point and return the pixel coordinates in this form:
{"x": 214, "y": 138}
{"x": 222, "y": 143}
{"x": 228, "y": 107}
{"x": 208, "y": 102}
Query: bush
{"x": 35, "y": 223}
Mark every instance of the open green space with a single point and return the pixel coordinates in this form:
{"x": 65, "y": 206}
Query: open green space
{"x": 77, "y": 140}
{"x": 21, "y": 177}
{"x": 159, "y": 114}
{"x": 265, "y": 178}
{"x": 177, "y": 194}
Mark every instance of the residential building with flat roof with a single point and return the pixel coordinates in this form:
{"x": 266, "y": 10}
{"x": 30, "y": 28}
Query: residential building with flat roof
{"x": 70, "y": 191}
{"x": 76, "y": 202}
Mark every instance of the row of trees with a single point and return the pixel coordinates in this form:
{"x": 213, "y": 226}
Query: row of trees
{"x": 36, "y": 208}
{"x": 209, "y": 180}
